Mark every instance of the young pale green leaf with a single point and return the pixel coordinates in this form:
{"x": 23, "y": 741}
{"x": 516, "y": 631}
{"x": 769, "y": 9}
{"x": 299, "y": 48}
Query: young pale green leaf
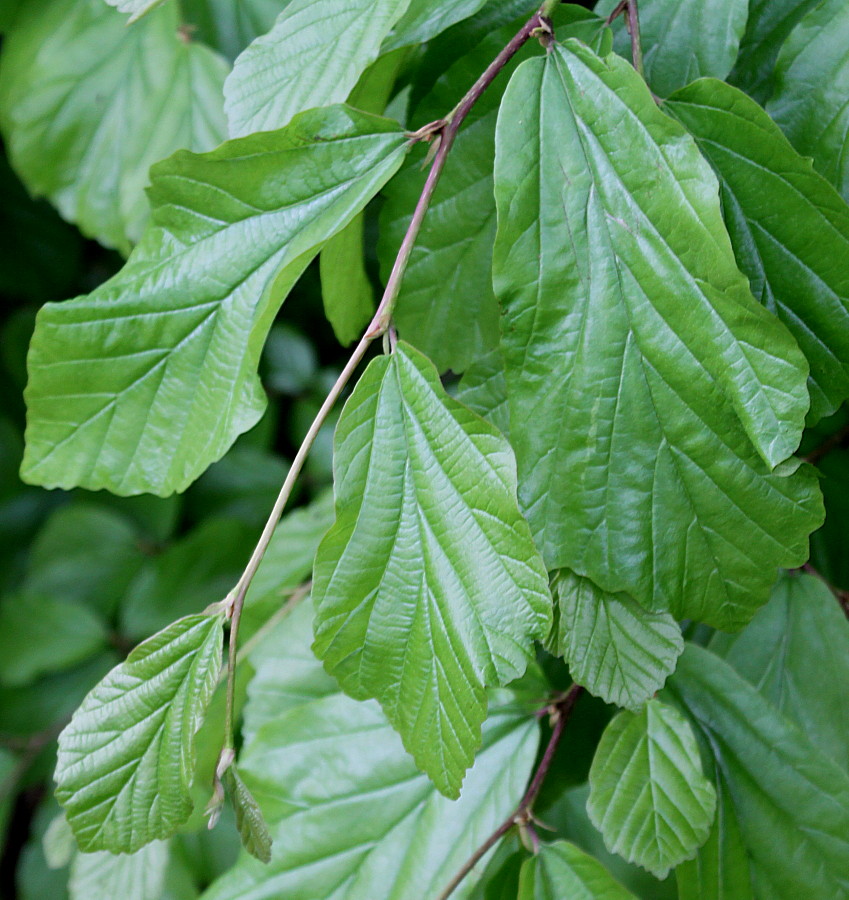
{"x": 796, "y": 653}
{"x": 562, "y": 870}
{"x": 773, "y": 204}
{"x": 652, "y": 398}
{"x": 126, "y": 760}
{"x": 139, "y": 386}
{"x": 614, "y": 647}
{"x": 89, "y": 104}
{"x": 428, "y": 587}
{"x": 351, "y": 816}
{"x": 249, "y": 819}
{"x": 783, "y": 800}
{"x": 770, "y": 21}
{"x": 107, "y": 876}
{"x": 136, "y": 8}
{"x": 648, "y": 795}
{"x": 812, "y": 82}
{"x": 683, "y": 39}
{"x": 313, "y": 56}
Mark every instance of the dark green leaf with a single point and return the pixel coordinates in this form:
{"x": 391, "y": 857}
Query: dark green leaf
{"x": 424, "y": 19}
{"x": 89, "y": 104}
{"x": 351, "y": 816}
{"x": 562, "y": 870}
{"x": 230, "y": 25}
{"x": 252, "y": 828}
{"x": 483, "y": 389}
{"x": 773, "y": 202}
{"x": 812, "y": 82}
{"x": 428, "y": 588}
{"x": 126, "y": 760}
{"x": 142, "y": 384}
{"x": 796, "y": 653}
{"x": 683, "y": 39}
{"x": 652, "y": 398}
{"x": 313, "y": 56}
{"x": 787, "y": 802}
{"x": 648, "y": 795}
{"x": 614, "y": 647}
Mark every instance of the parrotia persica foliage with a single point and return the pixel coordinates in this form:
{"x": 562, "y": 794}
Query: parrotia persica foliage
{"x": 567, "y": 331}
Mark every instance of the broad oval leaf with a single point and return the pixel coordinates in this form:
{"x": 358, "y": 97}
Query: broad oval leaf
{"x": 313, "y": 56}
{"x": 428, "y": 587}
{"x": 773, "y": 203}
{"x": 783, "y": 800}
{"x": 88, "y": 105}
{"x": 352, "y": 817}
{"x": 651, "y": 396}
{"x": 648, "y": 795}
{"x": 812, "y": 82}
{"x": 683, "y": 39}
{"x": 614, "y": 647}
{"x": 563, "y": 870}
{"x": 139, "y": 386}
{"x": 126, "y": 759}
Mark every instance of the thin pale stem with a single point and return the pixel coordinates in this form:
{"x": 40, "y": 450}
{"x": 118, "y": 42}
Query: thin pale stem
{"x": 522, "y": 815}
{"x": 444, "y": 132}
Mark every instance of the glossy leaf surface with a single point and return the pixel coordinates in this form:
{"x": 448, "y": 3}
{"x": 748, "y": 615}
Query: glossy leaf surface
{"x": 650, "y": 395}
{"x": 781, "y": 797}
{"x": 648, "y": 795}
{"x": 89, "y": 104}
{"x": 126, "y": 760}
{"x": 351, "y": 816}
{"x": 313, "y": 56}
{"x": 562, "y": 870}
{"x": 428, "y": 588}
{"x": 789, "y": 228}
{"x": 614, "y": 647}
{"x": 812, "y": 82}
{"x": 143, "y": 383}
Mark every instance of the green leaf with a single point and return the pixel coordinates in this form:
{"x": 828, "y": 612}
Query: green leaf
{"x": 562, "y": 870}
{"x": 772, "y": 202}
{"x": 796, "y": 653}
{"x": 313, "y": 56}
{"x": 249, "y": 820}
{"x": 812, "y": 81}
{"x": 787, "y": 801}
{"x": 351, "y": 816}
{"x": 127, "y": 758}
{"x": 105, "y": 876}
{"x": 428, "y": 587}
{"x": 770, "y": 21}
{"x": 651, "y": 396}
{"x": 614, "y": 647}
{"x": 230, "y": 25}
{"x": 136, "y": 8}
{"x": 425, "y": 19}
{"x": 483, "y": 389}
{"x": 139, "y": 386}
{"x": 683, "y": 39}
{"x": 42, "y": 634}
{"x": 72, "y": 72}
{"x": 648, "y": 795}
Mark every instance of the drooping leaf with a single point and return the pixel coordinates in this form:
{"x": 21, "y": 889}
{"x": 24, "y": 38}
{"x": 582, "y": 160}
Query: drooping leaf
{"x": 562, "y": 870}
{"x": 648, "y": 795}
{"x": 249, "y": 820}
{"x": 811, "y": 85}
{"x": 126, "y": 760}
{"x": 796, "y": 653}
{"x": 351, "y": 816}
{"x": 614, "y": 647}
{"x": 89, "y": 104}
{"x": 107, "y": 876}
{"x": 313, "y": 56}
{"x": 651, "y": 396}
{"x": 773, "y": 204}
{"x": 142, "y": 384}
{"x": 428, "y": 587}
{"x": 787, "y": 802}
{"x": 40, "y": 634}
{"x": 424, "y": 19}
{"x": 770, "y": 21}
{"x": 135, "y": 8}
{"x": 683, "y": 39}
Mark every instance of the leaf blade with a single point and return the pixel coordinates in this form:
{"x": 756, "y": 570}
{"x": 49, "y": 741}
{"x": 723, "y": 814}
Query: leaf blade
{"x": 562, "y": 870}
